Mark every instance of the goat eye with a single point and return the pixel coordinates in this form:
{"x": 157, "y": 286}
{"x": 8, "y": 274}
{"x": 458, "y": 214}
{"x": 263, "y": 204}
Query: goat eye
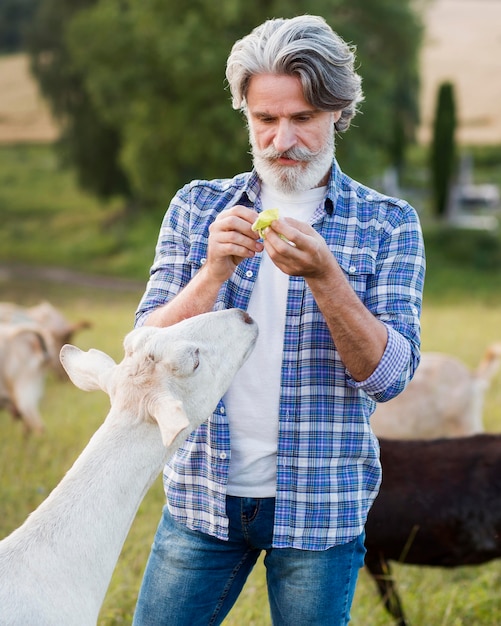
{"x": 196, "y": 359}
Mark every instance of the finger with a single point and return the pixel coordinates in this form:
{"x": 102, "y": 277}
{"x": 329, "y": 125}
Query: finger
{"x": 243, "y": 212}
{"x": 291, "y": 236}
{"x": 303, "y": 227}
{"x": 232, "y": 243}
{"x": 236, "y": 219}
{"x": 278, "y": 245}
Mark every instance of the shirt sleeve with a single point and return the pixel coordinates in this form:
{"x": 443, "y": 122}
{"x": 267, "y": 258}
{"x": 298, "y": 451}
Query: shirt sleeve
{"x": 394, "y": 296}
{"x": 171, "y": 269}
{"x": 394, "y": 361}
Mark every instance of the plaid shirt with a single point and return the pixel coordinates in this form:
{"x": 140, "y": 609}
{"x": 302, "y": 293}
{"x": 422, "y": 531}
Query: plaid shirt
{"x": 328, "y": 469}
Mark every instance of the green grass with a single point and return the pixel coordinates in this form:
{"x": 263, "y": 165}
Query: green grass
{"x": 46, "y": 220}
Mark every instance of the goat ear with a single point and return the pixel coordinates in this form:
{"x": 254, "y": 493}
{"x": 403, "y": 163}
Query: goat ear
{"x": 87, "y": 370}
{"x": 170, "y": 417}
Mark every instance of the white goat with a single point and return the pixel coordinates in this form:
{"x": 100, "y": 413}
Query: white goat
{"x": 24, "y": 359}
{"x": 444, "y": 399}
{"x": 45, "y": 317}
{"x": 55, "y": 568}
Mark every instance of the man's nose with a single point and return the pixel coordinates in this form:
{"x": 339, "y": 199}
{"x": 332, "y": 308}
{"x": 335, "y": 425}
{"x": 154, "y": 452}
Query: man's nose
{"x": 285, "y": 136}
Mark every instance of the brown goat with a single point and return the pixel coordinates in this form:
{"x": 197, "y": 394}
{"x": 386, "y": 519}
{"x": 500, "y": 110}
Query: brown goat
{"x": 439, "y": 505}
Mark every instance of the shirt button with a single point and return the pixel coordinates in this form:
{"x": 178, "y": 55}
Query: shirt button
{"x": 202, "y": 260}
{"x": 414, "y": 310}
{"x": 221, "y": 410}
{"x": 352, "y": 269}
{"x": 223, "y": 455}
{"x": 249, "y": 273}
{"x": 369, "y": 198}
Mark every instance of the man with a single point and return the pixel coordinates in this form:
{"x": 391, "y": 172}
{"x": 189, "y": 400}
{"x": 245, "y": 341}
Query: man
{"x": 287, "y": 463}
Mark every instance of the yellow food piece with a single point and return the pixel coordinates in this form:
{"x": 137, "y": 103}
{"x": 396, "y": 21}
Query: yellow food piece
{"x": 264, "y": 219}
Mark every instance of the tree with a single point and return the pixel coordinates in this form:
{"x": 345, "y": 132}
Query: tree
{"x": 388, "y": 35}
{"x": 15, "y": 17}
{"x": 443, "y": 148}
{"x": 153, "y": 71}
{"x": 88, "y": 143}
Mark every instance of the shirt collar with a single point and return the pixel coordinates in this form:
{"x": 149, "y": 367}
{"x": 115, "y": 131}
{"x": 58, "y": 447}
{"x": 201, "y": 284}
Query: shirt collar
{"x": 332, "y": 187}
{"x": 250, "y": 190}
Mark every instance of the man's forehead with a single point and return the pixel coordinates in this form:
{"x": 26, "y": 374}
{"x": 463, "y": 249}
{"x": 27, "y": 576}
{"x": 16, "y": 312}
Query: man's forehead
{"x": 277, "y": 94}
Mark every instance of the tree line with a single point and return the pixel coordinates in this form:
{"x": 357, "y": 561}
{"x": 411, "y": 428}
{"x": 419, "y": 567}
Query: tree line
{"x": 138, "y": 86}
{"x": 15, "y": 18}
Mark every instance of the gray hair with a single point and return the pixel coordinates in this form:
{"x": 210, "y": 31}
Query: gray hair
{"x": 304, "y": 46}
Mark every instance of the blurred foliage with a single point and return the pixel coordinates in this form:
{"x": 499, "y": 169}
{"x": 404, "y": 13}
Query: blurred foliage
{"x": 443, "y": 157}
{"x": 140, "y": 85}
{"x": 487, "y": 161}
{"x": 388, "y": 35}
{"x": 464, "y": 248}
{"x": 462, "y": 264}
{"x": 89, "y": 143}
{"x": 15, "y": 17}
{"x": 47, "y": 220}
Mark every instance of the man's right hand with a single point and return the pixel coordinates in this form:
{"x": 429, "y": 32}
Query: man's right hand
{"x": 231, "y": 239}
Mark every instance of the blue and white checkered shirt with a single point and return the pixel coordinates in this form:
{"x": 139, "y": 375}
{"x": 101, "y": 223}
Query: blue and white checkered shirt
{"x": 328, "y": 469}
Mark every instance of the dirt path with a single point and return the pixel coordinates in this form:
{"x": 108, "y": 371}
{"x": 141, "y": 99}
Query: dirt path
{"x": 70, "y": 277}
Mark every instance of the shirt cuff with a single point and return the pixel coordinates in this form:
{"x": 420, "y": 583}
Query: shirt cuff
{"x": 394, "y": 361}
{"x": 141, "y": 318}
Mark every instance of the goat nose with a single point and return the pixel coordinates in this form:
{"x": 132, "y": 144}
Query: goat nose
{"x": 247, "y": 318}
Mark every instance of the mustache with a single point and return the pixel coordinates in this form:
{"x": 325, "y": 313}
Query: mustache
{"x": 296, "y": 153}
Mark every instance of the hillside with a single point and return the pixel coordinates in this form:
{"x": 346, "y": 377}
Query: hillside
{"x": 24, "y": 116}
{"x": 463, "y": 45}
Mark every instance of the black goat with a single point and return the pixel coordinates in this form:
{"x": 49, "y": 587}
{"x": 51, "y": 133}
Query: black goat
{"x": 439, "y": 504}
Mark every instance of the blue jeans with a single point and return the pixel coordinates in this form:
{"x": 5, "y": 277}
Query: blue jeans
{"x": 193, "y": 579}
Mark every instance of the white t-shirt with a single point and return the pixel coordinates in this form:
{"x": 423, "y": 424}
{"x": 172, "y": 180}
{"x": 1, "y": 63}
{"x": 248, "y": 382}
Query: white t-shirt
{"x": 252, "y": 401}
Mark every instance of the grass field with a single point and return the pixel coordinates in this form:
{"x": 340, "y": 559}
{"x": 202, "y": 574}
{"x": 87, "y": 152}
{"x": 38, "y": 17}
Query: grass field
{"x": 29, "y": 469}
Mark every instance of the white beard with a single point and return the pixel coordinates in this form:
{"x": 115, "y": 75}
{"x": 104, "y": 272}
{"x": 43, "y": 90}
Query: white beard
{"x": 295, "y": 178}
